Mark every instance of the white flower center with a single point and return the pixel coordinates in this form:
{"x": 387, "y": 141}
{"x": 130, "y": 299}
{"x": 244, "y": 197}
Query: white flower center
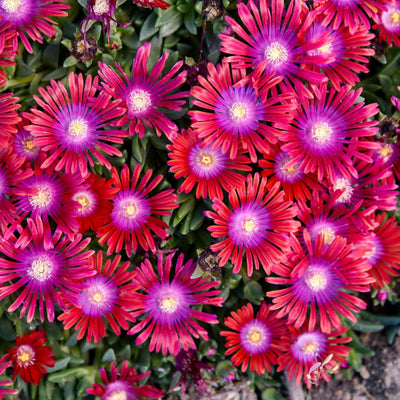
{"x": 40, "y": 269}
{"x": 317, "y": 281}
{"x": 168, "y": 304}
{"x": 321, "y": 132}
{"x": 131, "y": 210}
{"x": 25, "y": 356}
{"x": 139, "y": 100}
{"x": 42, "y": 198}
{"x": 341, "y": 184}
{"x": 276, "y": 53}
{"x": 238, "y": 112}
{"x": 78, "y": 128}
{"x": 97, "y": 298}
{"x": 101, "y": 7}
{"x": 11, "y": 6}
{"x": 249, "y": 226}
{"x": 117, "y": 395}
{"x": 327, "y": 234}
{"x": 311, "y": 348}
{"x": 325, "y": 49}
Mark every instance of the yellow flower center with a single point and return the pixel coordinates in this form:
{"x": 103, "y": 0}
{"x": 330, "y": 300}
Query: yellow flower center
{"x": 11, "y": 6}
{"x": 321, "y": 132}
{"x": 386, "y": 151}
{"x": 290, "y": 170}
{"x": 40, "y": 269}
{"x": 139, "y": 100}
{"x": 117, "y": 395}
{"x": 341, "y": 184}
{"x": 42, "y": 198}
{"x": 101, "y": 7}
{"x": 327, "y": 234}
{"x": 255, "y": 336}
{"x": 395, "y": 17}
{"x": 317, "y": 281}
{"x": 96, "y": 298}
{"x": 249, "y": 226}
{"x": 206, "y": 160}
{"x": 28, "y": 144}
{"x": 25, "y": 356}
{"x": 78, "y": 128}
{"x": 84, "y": 202}
{"x": 131, "y": 210}
{"x": 169, "y": 304}
{"x": 276, "y": 53}
{"x": 311, "y": 348}
{"x": 326, "y": 49}
{"x": 238, "y": 111}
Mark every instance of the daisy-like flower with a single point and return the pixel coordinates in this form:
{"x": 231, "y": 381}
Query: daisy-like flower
{"x": 351, "y": 13}
{"x": 132, "y": 219}
{"x": 388, "y": 24}
{"x": 144, "y": 93}
{"x": 254, "y": 341}
{"x": 351, "y": 51}
{"x": 320, "y": 283}
{"x": 123, "y": 385}
{"x": 103, "y": 296}
{"x": 43, "y": 264}
{"x": 30, "y": 19}
{"x": 23, "y": 143}
{"x": 73, "y": 124}
{"x": 255, "y": 228}
{"x": 296, "y": 184}
{"x": 305, "y": 348}
{"x": 325, "y": 132}
{"x": 30, "y": 356}
{"x": 232, "y": 117}
{"x": 7, "y": 51}
{"x": 94, "y": 202}
{"x": 165, "y": 302}
{"x": 9, "y": 118}
{"x": 208, "y": 168}
{"x": 5, "y": 363}
{"x": 270, "y": 43}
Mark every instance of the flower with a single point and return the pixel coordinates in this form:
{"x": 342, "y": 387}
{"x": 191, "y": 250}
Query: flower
{"x": 43, "y": 264}
{"x": 30, "y": 356}
{"x": 166, "y": 302}
{"x": 257, "y": 225}
{"x": 7, "y": 51}
{"x": 132, "y": 218}
{"x": 5, "y": 363}
{"x": 234, "y": 115}
{"x": 254, "y": 341}
{"x": 326, "y": 130}
{"x": 320, "y": 283}
{"x": 8, "y": 117}
{"x": 153, "y": 4}
{"x": 269, "y": 42}
{"x": 30, "y": 19}
{"x": 72, "y": 125}
{"x": 305, "y": 347}
{"x": 102, "y": 296}
{"x": 388, "y": 24}
{"x": 208, "y": 168}
{"x": 143, "y": 94}
{"x": 123, "y": 385}
{"x": 23, "y": 143}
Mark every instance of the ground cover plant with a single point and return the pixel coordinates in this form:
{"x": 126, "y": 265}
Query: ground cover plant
{"x": 195, "y": 193}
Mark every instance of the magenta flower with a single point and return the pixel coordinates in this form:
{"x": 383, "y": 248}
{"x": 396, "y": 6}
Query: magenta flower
{"x": 388, "y": 23}
{"x": 143, "y": 94}
{"x": 5, "y": 363}
{"x": 9, "y": 118}
{"x": 166, "y": 303}
{"x": 44, "y": 264}
{"x": 72, "y": 125}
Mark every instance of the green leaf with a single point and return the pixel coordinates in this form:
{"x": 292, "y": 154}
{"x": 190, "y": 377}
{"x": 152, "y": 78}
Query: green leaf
{"x": 60, "y": 364}
{"x": 391, "y": 333}
{"x": 167, "y": 16}
{"x": 6, "y": 330}
{"x": 197, "y": 220}
{"x": 70, "y": 374}
{"x": 149, "y": 27}
{"x": 56, "y": 74}
{"x": 387, "y": 85}
{"x": 271, "y": 394}
{"x": 172, "y": 26}
{"x": 50, "y": 55}
{"x": 386, "y": 320}
{"x": 355, "y": 360}
{"x": 186, "y": 207}
{"x": 185, "y": 228}
{"x": 70, "y": 61}
{"x": 109, "y": 356}
{"x": 358, "y": 346}
{"x": 366, "y": 326}
{"x": 189, "y": 21}
{"x": 253, "y": 292}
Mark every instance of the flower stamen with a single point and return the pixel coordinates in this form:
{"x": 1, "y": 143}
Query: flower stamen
{"x": 321, "y": 132}
{"x": 139, "y": 100}
{"x": 168, "y": 304}
{"x": 276, "y": 53}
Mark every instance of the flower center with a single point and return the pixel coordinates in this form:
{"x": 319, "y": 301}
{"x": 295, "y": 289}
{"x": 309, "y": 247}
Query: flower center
{"x": 131, "y": 210}
{"x": 327, "y": 234}
{"x": 326, "y": 49}
{"x": 41, "y": 269}
{"x": 96, "y": 298}
{"x": 276, "y": 53}
{"x": 168, "y": 304}
{"x": 311, "y": 348}
{"x": 395, "y": 17}
{"x": 255, "y": 336}
{"x": 340, "y": 184}
{"x": 290, "y": 170}
{"x": 386, "y": 151}
{"x": 42, "y": 198}
{"x": 78, "y": 128}
{"x": 117, "y": 395}
{"x": 249, "y": 226}
{"x": 317, "y": 281}
{"x": 321, "y": 132}
{"x": 238, "y": 112}
{"x": 101, "y": 7}
{"x": 11, "y": 6}
{"x": 25, "y": 356}
{"x": 207, "y": 160}
{"x": 139, "y": 100}
{"x": 84, "y": 202}
{"x": 28, "y": 144}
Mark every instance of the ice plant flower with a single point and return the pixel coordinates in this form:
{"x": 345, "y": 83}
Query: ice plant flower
{"x": 8, "y": 117}
{"x": 232, "y": 117}
{"x": 73, "y": 125}
{"x": 326, "y": 130}
{"x": 388, "y": 24}
{"x": 43, "y": 264}
{"x": 166, "y": 304}
{"x": 254, "y": 341}
{"x": 321, "y": 284}
{"x": 153, "y": 4}
{"x": 304, "y": 348}
{"x": 256, "y": 227}
{"x": 144, "y": 93}
{"x": 7, "y": 51}
{"x": 133, "y": 217}
{"x": 123, "y": 385}
{"x": 23, "y": 143}
{"x": 270, "y": 43}
{"x": 101, "y": 297}
{"x": 5, "y": 363}
{"x": 202, "y": 166}
{"x": 30, "y": 19}
{"x": 30, "y": 356}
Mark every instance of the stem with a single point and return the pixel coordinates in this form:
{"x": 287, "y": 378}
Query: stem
{"x": 295, "y": 392}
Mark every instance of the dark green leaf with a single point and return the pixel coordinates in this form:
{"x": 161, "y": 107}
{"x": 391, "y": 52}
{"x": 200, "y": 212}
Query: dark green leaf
{"x": 149, "y": 28}
{"x": 189, "y": 21}
{"x": 271, "y": 394}
{"x": 253, "y": 292}
{"x": 55, "y": 74}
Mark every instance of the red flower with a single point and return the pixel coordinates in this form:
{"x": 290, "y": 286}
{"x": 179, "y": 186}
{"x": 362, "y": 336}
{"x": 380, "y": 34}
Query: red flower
{"x": 153, "y": 3}
{"x": 4, "y": 364}
{"x": 30, "y": 356}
